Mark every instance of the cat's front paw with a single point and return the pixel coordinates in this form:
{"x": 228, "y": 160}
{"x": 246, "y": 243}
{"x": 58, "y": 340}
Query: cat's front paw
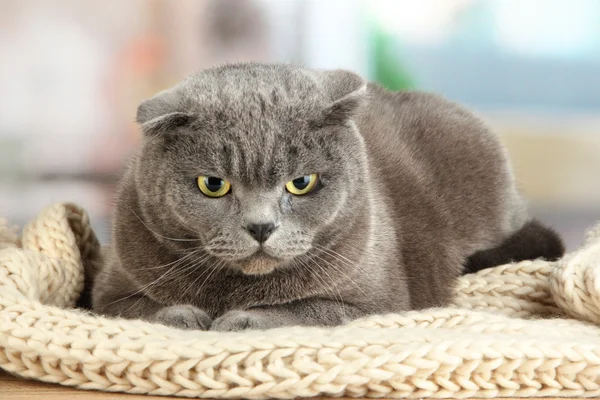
{"x": 183, "y": 317}
{"x": 238, "y": 320}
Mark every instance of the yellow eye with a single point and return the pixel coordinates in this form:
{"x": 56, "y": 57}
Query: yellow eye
{"x": 303, "y": 185}
{"x": 213, "y": 186}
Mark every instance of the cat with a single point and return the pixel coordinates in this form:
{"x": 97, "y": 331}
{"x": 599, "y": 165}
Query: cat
{"x": 268, "y": 195}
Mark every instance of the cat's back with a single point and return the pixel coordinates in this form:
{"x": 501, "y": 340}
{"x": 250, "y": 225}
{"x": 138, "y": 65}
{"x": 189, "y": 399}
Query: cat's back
{"x": 425, "y": 128}
{"x": 438, "y": 164}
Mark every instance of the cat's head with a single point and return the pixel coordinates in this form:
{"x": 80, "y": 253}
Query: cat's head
{"x": 258, "y": 163}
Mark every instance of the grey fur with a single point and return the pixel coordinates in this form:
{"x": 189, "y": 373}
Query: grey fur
{"x": 411, "y": 185}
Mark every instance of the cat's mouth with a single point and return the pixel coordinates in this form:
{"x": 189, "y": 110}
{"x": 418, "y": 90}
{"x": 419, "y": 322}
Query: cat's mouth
{"x": 259, "y": 263}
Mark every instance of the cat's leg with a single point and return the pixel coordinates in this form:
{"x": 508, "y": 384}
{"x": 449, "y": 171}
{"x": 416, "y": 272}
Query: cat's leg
{"x": 307, "y": 312}
{"x": 115, "y": 295}
{"x": 532, "y": 241}
{"x": 178, "y": 316}
{"x": 142, "y": 307}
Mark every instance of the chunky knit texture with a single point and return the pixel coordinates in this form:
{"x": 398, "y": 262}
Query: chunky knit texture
{"x": 508, "y": 334}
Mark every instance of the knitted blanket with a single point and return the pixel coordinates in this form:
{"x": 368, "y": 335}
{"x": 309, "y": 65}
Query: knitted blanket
{"x": 526, "y": 329}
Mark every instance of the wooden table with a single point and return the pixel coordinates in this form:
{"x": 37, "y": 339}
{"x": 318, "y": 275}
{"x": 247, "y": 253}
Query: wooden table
{"x": 13, "y": 388}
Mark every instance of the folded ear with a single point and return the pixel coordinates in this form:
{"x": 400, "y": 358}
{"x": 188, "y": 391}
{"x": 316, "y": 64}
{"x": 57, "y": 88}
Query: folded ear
{"x": 347, "y": 91}
{"x": 162, "y": 113}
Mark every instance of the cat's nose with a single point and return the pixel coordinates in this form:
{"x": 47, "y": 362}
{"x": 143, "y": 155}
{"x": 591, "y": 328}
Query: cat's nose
{"x": 261, "y": 232}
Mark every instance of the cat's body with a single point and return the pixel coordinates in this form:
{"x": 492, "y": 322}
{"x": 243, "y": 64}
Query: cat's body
{"x": 410, "y": 186}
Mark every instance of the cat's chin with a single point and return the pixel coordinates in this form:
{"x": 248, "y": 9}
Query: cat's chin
{"x": 259, "y": 264}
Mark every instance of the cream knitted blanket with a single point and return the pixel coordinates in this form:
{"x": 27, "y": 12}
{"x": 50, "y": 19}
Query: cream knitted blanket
{"x": 493, "y": 342}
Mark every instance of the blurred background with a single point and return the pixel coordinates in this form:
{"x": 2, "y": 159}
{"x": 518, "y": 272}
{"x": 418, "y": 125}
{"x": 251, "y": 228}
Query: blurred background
{"x": 72, "y": 73}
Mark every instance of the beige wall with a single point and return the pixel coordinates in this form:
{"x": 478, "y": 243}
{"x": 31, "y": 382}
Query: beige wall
{"x": 557, "y": 162}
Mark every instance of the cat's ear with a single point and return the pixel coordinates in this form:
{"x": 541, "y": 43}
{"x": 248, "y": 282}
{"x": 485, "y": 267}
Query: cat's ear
{"x": 348, "y": 93}
{"x": 162, "y": 113}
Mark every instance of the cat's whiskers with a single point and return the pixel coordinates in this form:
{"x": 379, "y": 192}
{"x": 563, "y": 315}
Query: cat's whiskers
{"x": 326, "y": 286}
{"x": 353, "y": 266}
{"x": 197, "y": 262}
{"x": 188, "y": 254}
{"x": 215, "y": 267}
{"x": 163, "y": 276}
{"x": 158, "y": 234}
{"x": 333, "y": 284}
{"x": 190, "y": 265}
{"x": 350, "y": 265}
{"x": 358, "y": 267}
{"x": 191, "y": 285}
{"x": 342, "y": 259}
{"x": 181, "y": 223}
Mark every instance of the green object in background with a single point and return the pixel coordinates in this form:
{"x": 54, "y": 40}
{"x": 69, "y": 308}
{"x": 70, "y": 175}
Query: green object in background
{"x": 386, "y": 67}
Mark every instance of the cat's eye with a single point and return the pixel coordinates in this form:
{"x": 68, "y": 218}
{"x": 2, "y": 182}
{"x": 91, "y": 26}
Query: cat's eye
{"x": 212, "y": 186}
{"x": 302, "y": 185}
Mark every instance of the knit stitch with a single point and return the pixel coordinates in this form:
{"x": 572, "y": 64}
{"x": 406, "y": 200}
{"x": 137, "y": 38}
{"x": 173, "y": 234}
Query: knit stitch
{"x": 525, "y": 329}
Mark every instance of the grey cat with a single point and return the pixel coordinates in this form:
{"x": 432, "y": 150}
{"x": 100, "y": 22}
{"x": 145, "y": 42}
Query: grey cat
{"x": 267, "y": 195}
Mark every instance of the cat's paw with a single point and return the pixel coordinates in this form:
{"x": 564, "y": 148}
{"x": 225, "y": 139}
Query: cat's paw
{"x": 183, "y": 317}
{"x": 238, "y": 320}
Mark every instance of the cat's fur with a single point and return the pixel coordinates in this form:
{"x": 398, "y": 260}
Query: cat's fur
{"x": 412, "y": 185}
